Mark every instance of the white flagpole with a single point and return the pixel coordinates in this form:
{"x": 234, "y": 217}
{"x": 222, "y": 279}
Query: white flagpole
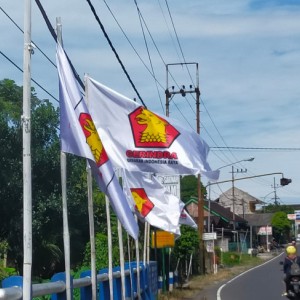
{"x": 91, "y": 226}
{"x": 122, "y": 267}
{"x": 66, "y": 233}
{"x": 27, "y": 179}
{"x": 138, "y": 265}
{"x": 148, "y": 243}
{"x": 109, "y": 244}
{"x": 145, "y": 244}
{"x": 92, "y": 233}
{"x": 121, "y": 247}
{"x": 63, "y": 170}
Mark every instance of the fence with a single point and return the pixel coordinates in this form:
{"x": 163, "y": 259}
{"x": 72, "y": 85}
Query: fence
{"x": 12, "y": 286}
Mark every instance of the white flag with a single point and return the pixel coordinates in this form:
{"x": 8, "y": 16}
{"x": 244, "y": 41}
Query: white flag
{"x": 79, "y": 136}
{"x": 186, "y": 219}
{"x": 140, "y": 140}
{"x": 151, "y": 201}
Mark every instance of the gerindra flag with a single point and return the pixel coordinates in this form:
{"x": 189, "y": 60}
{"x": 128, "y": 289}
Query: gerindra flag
{"x": 139, "y": 140}
{"x": 186, "y": 219}
{"x": 151, "y": 201}
{"x": 80, "y": 137}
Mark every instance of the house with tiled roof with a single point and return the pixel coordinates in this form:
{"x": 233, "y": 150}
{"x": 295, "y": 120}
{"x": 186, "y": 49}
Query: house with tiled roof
{"x": 219, "y": 220}
{"x": 215, "y": 214}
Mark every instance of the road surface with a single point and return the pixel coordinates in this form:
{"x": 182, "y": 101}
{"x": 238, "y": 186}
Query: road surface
{"x": 263, "y": 282}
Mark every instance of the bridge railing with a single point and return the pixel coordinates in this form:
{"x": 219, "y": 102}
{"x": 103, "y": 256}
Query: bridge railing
{"x": 12, "y": 286}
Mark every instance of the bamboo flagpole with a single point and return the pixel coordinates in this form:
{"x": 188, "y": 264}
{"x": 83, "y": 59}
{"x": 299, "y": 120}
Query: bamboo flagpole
{"x": 138, "y": 265}
{"x": 63, "y": 170}
{"x": 109, "y": 245}
{"x": 66, "y": 233}
{"x": 92, "y": 232}
{"x": 148, "y": 243}
{"x": 121, "y": 251}
{"x": 145, "y": 244}
{"x": 27, "y": 178}
{"x": 92, "y": 229}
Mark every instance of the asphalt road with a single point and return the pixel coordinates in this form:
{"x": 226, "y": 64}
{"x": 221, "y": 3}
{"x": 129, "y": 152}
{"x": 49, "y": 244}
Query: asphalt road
{"x": 264, "y": 282}
{"x": 260, "y": 283}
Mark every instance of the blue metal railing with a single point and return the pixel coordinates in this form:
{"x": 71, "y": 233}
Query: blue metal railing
{"x": 12, "y": 286}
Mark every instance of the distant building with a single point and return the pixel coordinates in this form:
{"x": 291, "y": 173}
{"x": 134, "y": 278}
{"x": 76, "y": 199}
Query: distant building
{"x": 219, "y": 220}
{"x": 241, "y": 202}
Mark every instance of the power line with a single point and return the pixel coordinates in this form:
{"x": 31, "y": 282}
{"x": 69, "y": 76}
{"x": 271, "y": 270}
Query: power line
{"x": 52, "y": 31}
{"x": 147, "y": 48}
{"x": 181, "y": 50}
{"x": 114, "y": 50}
{"x": 161, "y": 9}
{"x": 257, "y": 148}
{"x": 132, "y": 46}
{"x": 31, "y": 78}
{"x": 31, "y": 40}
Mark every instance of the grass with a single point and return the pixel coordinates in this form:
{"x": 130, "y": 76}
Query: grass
{"x": 230, "y": 259}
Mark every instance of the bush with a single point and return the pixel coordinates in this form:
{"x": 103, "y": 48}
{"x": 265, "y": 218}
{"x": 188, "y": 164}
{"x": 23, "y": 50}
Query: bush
{"x": 234, "y": 258}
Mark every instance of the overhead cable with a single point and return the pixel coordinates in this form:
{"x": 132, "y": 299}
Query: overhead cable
{"x": 52, "y": 31}
{"x": 31, "y": 40}
{"x": 31, "y": 78}
{"x": 114, "y": 50}
{"x": 147, "y": 48}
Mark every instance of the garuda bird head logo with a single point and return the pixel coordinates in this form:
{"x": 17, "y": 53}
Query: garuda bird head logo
{"x": 150, "y": 130}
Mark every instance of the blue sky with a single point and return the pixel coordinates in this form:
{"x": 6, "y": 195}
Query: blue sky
{"x": 249, "y": 67}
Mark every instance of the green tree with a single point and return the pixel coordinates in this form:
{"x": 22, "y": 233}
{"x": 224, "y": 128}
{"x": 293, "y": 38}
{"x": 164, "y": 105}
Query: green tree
{"x": 187, "y": 243}
{"x": 281, "y": 226}
{"x": 189, "y": 187}
{"x": 272, "y": 208}
{"x": 102, "y": 252}
{"x": 46, "y": 185}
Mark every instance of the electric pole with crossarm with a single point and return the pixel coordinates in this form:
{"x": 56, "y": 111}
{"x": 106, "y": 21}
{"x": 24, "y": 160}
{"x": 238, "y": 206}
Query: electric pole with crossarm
{"x": 183, "y": 90}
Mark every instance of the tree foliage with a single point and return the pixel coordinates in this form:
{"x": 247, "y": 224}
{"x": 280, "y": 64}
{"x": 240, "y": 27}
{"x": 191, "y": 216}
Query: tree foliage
{"x": 189, "y": 187}
{"x": 188, "y": 243}
{"x": 272, "y": 208}
{"x": 47, "y": 224}
{"x": 281, "y": 225}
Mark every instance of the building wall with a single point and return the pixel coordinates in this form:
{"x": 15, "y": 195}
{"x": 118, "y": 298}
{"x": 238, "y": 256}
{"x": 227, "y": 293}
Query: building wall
{"x": 192, "y": 209}
{"x": 243, "y": 202}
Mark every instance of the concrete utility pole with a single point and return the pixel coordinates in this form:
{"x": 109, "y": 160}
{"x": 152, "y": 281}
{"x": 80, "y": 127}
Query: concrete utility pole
{"x": 169, "y": 95}
{"x": 275, "y": 193}
{"x": 27, "y": 176}
{"x": 233, "y": 195}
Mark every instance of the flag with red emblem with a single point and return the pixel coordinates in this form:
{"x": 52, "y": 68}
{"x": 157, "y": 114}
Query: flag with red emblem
{"x": 151, "y": 201}
{"x": 186, "y": 219}
{"x": 138, "y": 139}
{"x": 79, "y": 136}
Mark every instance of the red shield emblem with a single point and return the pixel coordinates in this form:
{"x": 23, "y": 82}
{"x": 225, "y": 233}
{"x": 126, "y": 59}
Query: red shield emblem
{"x": 142, "y": 203}
{"x": 150, "y": 130}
